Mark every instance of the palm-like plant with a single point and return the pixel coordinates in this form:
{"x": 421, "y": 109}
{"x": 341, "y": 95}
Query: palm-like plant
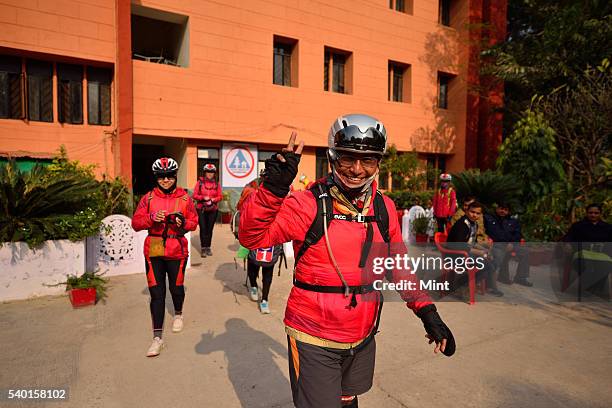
{"x": 488, "y": 187}
{"x": 35, "y": 206}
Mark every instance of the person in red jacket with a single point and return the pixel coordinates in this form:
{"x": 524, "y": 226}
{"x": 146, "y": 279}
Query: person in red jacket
{"x": 333, "y": 310}
{"x": 167, "y": 213}
{"x": 207, "y": 194}
{"x": 445, "y": 202}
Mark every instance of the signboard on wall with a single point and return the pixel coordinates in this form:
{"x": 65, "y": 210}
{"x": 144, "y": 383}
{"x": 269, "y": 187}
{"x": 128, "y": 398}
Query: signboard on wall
{"x": 239, "y": 164}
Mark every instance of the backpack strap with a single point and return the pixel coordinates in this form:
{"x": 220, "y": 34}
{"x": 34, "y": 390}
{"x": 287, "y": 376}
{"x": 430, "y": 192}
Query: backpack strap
{"x": 149, "y": 201}
{"x": 315, "y": 232}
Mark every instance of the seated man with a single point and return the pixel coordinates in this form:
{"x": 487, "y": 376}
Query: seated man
{"x": 465, "y": 230}
{"x": 506, "y": 233}
{"x": 590, "y": 243}
{"x": 482, "y": 238}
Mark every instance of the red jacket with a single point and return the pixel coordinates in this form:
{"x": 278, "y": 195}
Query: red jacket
{"x": 445, "y": 202}
{"x": 156, "y": 200}
{"x": 268, "y": 220}
{"x": 207, "y": 188}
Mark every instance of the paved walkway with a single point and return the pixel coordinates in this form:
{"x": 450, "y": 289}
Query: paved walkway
{"x": 523, "y": 351}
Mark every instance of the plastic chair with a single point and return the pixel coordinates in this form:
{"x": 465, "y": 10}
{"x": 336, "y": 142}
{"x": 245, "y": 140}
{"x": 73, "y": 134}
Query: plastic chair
{"x": 440, "y": 239}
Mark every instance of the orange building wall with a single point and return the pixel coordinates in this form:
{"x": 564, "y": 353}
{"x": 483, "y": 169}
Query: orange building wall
{"x": 74, "y": 31}
{"x": 226, "y": 93}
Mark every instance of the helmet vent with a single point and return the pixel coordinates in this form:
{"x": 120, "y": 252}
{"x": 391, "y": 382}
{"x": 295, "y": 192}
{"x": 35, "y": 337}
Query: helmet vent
{"x": 344, "y": 123}
{"x": 378, "y": 127}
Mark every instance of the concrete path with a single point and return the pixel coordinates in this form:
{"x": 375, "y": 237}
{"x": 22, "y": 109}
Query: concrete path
{"x": 524, "y": 351}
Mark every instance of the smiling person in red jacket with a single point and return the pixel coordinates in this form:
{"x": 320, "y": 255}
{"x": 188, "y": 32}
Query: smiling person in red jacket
{"x": 333, "y": 310}
{"x": 207, "y": 194}
{"x": 167, "y": 212}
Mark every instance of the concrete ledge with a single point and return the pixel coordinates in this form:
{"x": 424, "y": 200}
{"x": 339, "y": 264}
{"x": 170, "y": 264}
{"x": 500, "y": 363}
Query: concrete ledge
{"x": 24, "y": 272}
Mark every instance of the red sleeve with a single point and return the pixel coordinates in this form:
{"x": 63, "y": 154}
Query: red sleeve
{"x": 142, "y": 219}
{"x": 267, "y": 220}
{"x": 191, "y": 216}
{"x": 219, "y": 194}
{"x": 415, "y": 299}
{"x": 196, "y": 192}
{"x": 453, "y": 202}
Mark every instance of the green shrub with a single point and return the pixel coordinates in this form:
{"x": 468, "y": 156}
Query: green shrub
{"x": 407, "y": 199}
{"x": 488, "y": 187}
{"x": 60, "y": 201}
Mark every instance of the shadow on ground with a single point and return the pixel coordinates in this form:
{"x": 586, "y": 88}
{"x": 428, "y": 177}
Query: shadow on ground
{"x": 251, "y": 357}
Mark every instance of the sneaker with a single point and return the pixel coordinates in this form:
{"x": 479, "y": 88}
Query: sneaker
{"x": 495, "y": 292}
{"x": 264, "y": 308}
{"x": 254, "y": 294}
{"x": 156, "y": 347}
{"x": 177, "y": 324}
{"x": 203, "y": 253}
{"x": 208, "y": 251}
{"x": 523, "y": 282}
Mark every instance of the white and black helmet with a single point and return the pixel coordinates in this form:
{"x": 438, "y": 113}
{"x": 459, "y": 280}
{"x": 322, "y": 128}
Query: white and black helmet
{"x": 165, "y": 166}
{"x": 209, "y": 168}
{"x": 357, "y": 133}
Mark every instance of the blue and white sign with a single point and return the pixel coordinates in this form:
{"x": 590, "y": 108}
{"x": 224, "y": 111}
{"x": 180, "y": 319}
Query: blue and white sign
{"x": 239, "y": 164}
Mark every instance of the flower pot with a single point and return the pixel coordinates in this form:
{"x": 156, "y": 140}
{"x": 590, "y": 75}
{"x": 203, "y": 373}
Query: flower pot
{"x": 421, "y": 238}
{"x": 82, "y": 297}
{"x": 226, "y": 218}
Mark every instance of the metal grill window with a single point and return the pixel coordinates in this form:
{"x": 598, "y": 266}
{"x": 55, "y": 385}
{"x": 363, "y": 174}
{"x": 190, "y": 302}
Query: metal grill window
{"x": 282, "y": 64}
{"x": 99, "y": 96}
{"x": 40, "y": 91}
{"x": 11, "y": 88}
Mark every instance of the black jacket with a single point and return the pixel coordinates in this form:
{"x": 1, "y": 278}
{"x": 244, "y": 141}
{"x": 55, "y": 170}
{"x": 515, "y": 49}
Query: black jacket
{"x": 459, "y": 234}
{"x": 502, "y": 229}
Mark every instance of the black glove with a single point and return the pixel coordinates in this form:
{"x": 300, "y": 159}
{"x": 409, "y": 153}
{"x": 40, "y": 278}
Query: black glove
{"x": 278, "y": 176}
{"x": 435, "y": 327}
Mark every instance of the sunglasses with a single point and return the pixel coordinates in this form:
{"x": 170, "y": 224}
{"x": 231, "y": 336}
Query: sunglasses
{"x": 166, "y": 177}
{"x": 347, "y": 160}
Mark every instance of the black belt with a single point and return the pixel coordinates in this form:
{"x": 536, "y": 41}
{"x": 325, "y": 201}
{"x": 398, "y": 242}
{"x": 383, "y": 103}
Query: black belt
{"x": 166, "y": 236}
{"x": 357, "y": 290}
{"x": 352, "y": 290}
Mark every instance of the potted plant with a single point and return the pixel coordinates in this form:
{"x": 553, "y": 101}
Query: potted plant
{"x": 84, "y": 290}
{"x": 419, "y": 226}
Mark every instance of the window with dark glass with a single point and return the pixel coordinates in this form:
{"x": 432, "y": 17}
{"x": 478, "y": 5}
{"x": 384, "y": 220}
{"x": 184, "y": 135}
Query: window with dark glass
{"x": 338, "y": 74}
{"x": 444, "y": 11}
{"x": 11, "y": 88}
{"x": 336, "y": 64}
{"x": 321, "y": 163}
{"x": 40, "y": 90}
{"x": 282, "y": 63}
{"x": 444, "y": 81}
{"x": 398, "y": 84}
{"x": 99, "y": 96}
{"x": 403, "y": 6}
{"x": 70, "y": 93}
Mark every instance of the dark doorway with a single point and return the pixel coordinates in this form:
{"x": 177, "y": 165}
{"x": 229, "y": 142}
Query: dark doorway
{"x": 143, "y": 157}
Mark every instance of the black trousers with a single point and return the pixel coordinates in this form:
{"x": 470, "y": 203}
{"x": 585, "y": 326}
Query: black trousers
{"x": 441, "y": 221}
{"x": 266, "y": 277}
{"x": 157, "y": 268}
{"x": 206, "y": 219}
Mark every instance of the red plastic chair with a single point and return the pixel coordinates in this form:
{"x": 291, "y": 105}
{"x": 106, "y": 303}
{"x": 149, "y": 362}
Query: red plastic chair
{"x": 439, "y": 239}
